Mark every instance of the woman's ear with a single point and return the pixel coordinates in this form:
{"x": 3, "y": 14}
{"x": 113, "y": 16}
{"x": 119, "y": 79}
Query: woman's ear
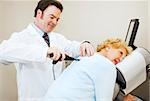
{"x": 107, "y": 48}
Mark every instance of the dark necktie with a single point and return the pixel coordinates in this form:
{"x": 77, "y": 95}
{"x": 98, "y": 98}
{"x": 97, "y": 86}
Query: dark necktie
{"x": 46, "y": 38}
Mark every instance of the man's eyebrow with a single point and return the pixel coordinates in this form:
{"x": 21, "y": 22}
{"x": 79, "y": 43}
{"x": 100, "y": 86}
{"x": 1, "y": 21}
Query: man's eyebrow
{"x": 53, "y": 16}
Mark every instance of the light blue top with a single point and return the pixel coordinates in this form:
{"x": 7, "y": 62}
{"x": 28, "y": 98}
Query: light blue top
{"x": 91, "y": 79}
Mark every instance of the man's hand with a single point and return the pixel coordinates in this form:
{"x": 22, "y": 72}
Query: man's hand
{"x": 56, "y": 53}
{"x": 86, "y": 49}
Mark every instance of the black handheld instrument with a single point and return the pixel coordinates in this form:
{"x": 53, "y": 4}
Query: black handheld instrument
{"x": 66, "y": 58}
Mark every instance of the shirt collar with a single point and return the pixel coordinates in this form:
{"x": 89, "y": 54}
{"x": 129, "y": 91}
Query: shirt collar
{"x": 40, "y": 32}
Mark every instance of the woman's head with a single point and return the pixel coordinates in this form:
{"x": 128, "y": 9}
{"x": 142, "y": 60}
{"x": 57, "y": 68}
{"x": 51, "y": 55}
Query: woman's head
{"x": 114, "y": 49}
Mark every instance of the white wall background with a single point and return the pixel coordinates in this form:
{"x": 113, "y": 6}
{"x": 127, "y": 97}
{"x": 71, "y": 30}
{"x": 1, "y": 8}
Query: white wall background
{"x": 81, "y": 20}
{"x": 8, "y": 90}
{"x": 149, "y": 24}
{"x": 98, "y": 20}
{"x": 14, "y": 16}
{"x": 0, "y": 18}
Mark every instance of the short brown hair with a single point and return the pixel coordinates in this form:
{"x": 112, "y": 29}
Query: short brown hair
{"x": 43, "y": 4}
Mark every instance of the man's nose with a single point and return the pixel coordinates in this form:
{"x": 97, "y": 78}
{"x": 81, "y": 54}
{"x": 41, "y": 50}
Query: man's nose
{"x": 55, "y": 21}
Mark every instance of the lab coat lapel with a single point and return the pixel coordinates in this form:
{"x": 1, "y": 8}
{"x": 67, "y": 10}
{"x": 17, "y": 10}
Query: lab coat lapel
{"x": 36, "y": 35}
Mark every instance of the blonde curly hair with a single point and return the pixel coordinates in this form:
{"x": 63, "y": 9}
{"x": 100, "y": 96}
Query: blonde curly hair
{"x": 115, "y": 43}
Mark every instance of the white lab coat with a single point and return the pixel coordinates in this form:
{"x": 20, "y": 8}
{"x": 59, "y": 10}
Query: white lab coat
{"x": 28, "y": 50}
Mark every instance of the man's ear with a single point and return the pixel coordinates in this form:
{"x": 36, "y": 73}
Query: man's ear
{"x": 39, "y": 14}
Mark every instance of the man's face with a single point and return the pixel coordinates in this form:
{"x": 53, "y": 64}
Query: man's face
{"x": 49, "y": 18}
{"x": 116, "y": 55}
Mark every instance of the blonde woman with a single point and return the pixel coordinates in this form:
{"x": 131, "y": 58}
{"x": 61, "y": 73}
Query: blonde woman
{"x": 92, "y": 78}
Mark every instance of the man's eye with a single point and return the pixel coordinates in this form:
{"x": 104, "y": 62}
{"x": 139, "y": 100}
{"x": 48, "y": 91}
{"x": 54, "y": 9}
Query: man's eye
{"x": 52, "y": 17}
{"x": 57, "y": 19}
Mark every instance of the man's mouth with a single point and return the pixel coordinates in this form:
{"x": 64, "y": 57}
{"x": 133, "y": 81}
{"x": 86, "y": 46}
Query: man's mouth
{"x": 51, "y": 25}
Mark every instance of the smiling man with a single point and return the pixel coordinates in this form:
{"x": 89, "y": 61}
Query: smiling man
{"x": 30, "y": 49}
